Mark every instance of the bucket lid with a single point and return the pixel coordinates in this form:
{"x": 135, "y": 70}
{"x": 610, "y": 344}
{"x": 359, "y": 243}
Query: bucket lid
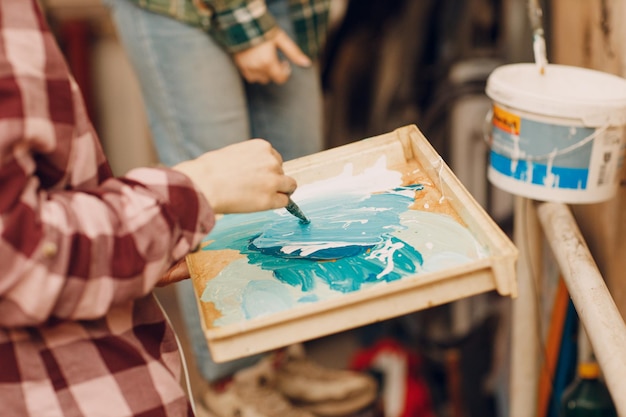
{"x": 597, "y": 98}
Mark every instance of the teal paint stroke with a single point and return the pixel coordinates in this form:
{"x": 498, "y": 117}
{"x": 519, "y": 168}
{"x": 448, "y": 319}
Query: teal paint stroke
{"x": 354, "y": 241}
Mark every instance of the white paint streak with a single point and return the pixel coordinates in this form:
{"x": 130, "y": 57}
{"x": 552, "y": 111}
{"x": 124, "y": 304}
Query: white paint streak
{"x": 385, "y": 255}
{"x": 373, "y": 179}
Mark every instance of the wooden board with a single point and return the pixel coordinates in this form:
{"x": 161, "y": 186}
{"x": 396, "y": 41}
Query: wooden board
{"x": 434, "y": 192}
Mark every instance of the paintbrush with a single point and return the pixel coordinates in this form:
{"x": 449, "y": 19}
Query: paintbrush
{"x": 293, "y": 208}
{"x": 539, "y": 42}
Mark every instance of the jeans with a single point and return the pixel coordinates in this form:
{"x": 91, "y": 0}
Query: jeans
{"x": 196, "y": 101}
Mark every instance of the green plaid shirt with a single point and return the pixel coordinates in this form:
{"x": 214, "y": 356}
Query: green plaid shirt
{"x": 240, "y": 24}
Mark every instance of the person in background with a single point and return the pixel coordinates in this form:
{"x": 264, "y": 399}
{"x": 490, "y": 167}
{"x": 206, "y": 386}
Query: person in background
{"x": 215, "y": 72}
{"x": 80, "y": 331}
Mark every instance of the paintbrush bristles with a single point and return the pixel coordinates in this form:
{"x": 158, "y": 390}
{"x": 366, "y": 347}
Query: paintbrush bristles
{"x": 293, "y": 208}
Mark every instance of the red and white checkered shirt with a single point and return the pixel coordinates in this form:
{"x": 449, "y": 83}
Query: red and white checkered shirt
{"x": 80, "y": 250}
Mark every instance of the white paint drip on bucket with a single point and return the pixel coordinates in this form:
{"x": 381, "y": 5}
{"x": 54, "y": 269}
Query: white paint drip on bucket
{"x": 559, "y": 136}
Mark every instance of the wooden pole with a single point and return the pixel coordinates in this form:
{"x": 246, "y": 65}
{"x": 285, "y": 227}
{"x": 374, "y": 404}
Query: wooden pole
{"x": 595, "y": 306}
{"x": 525, "y": 329}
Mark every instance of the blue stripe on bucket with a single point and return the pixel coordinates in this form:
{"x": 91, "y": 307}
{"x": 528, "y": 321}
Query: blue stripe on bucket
{"x": 564, "y": 177}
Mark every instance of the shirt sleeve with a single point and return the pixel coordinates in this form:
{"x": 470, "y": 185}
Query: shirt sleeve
{"x": 239, "y": 24}
{"x": 74, "y": 240}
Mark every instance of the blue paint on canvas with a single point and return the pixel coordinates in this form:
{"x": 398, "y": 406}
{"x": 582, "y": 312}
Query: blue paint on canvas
{"x": 339, "y": 246}
{"x": 353, "y": 241}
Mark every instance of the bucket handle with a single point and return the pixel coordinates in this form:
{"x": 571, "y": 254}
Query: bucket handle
{"x": 489, "y": 141}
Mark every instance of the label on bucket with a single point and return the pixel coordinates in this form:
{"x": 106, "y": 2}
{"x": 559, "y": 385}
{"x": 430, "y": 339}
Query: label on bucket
{"x": 554, "y": 161}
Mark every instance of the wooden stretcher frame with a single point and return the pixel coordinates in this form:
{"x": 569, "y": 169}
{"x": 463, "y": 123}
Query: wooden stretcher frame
{"x": 402, "y": 147}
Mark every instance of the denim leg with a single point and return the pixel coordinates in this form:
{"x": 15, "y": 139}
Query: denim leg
{"x": 288, "y": 115}
{"x": 192, "y": 91}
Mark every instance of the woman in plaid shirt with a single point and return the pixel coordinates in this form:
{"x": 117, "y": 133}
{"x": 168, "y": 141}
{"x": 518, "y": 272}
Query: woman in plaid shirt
{"x": 81, "y": 250}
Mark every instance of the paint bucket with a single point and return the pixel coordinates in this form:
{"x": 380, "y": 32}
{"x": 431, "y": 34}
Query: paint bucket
{"x": 557, "y": 136}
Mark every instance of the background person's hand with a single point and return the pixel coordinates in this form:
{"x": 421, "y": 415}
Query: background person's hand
{"x": 241, "y": 178}
{"x": 261, "y": 63}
